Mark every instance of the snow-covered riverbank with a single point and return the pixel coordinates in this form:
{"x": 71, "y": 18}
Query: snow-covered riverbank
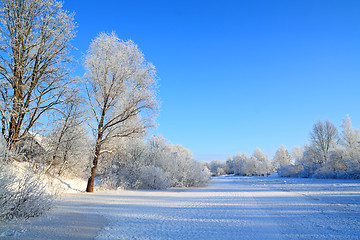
{"x": 230, "y": 208}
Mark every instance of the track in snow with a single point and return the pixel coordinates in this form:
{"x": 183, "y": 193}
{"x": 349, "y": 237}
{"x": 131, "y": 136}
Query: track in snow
{"x": 230, "y": 208}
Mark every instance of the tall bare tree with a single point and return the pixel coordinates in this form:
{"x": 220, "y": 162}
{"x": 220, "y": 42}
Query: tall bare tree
{"x": 121, "y": 88}
{"x": 34, "y": 53}
{"x": 323, "y": 137}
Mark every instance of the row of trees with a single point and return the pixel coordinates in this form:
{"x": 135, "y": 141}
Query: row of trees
{"x": 241, "y": 164}
{"x": 329, "y": 154}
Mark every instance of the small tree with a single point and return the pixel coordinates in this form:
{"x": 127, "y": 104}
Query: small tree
{"x": 261, "y": 162}
{"x": 281, "y": 158}
{"x": 121, "y": 93}
{"x": 323, "y": 136}
{"x": 297, "y": 154}
{"x": 68, "y": 142}
{"x": 349, "y": 137}
{"x": 243, "y": 165}
{"x": 230, "y": 164}
{"x": 35, "y": 42}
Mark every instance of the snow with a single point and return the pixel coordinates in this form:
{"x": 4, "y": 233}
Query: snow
{"x": 229, "y": 208}
{"x": 69, "y": 185}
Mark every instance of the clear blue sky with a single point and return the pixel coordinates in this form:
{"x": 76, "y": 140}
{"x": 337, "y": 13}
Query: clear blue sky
{"x": 236, "y": 75}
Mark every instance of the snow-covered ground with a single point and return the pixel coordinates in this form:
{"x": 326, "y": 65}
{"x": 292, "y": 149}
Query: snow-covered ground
{"x": 230, "y": 208}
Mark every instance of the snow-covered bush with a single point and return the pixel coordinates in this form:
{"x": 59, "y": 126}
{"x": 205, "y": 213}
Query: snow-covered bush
{"x": 289, "y": 170}
{"x": 177, "y": 162}
{"x": 122, "y": 170}
{"x": 152, "y": 177}
{"x": 156, "y": 164}
{"x": 22, "y": 194}
{"x": 353, "y": 168}
{"x": 199, "y": 176}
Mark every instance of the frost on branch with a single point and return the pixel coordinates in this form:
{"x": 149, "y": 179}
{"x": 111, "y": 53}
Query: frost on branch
{"x": 34, "y": 52}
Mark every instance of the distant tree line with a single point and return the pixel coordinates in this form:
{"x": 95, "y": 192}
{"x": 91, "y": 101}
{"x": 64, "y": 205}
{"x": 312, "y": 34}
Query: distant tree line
{"x": 329, "y": 154}
{"x": 257, "y": 164}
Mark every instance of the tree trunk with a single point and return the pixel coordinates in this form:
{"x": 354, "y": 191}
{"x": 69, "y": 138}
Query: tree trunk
{"x": 90, "y": 184}
{"x": 100, "y": 132}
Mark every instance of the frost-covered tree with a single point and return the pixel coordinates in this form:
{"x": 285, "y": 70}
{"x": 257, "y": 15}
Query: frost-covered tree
{"x": 350, "y": 137}
{"x": 312, "y": 159}
{"x": 261, "y": 161}
{"x": 281, "y": 158}
{"x": 243, "y": 165}
{"x": 323, "y": 137}
{"x": 68, "y": 143}
{"x": 218, "y": 168}
{"x": 230, "y": 164}
{"x": 34, "y": 53}
{"x": 316, "y": 155}
{"x": 121, "y": 89}
{"x": 297, "y": 154}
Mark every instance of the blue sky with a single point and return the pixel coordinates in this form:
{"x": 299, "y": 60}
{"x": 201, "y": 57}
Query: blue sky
{"x": 236, "y": 75}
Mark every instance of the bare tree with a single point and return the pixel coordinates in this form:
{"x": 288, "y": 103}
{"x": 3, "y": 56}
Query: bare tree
{"x": 34, "y": 53}
{"x": 323, "y": 136}
{"x": 121, "y": 88}
{"x": 68, "y": 143}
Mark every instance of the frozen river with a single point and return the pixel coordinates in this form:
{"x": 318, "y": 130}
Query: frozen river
{"x": 229, "y": 208}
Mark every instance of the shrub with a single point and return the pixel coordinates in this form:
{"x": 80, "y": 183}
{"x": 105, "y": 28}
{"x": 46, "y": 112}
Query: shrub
{"x": 22, "y": 194}
{"x": 289, "y": 170}
{"x": 155, "y": 165}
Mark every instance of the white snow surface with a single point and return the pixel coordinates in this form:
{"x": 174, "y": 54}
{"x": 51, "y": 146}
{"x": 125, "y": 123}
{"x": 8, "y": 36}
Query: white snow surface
{"x": 230, "y": 207}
